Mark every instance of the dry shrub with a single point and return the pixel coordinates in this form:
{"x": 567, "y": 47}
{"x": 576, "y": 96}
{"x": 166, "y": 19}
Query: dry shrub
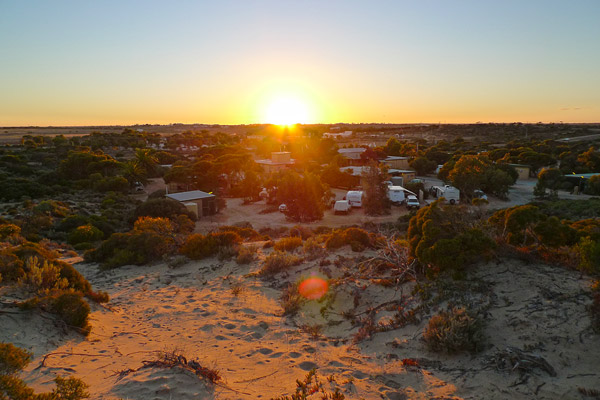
{"x": 310, "y": 387}
{"x": 42, "y": 277}
{"x": 245, "y": 255}
{"x": 226, "y": 253}
{"x": 291, "y": 300}
{"x": 246, "y": 232}
{"x": 278, "y": 261}
{"x": 357, "y": 238}
{"x": 453, "y": 330}
{"x": 288, "y": 243}
{"x": 301, "y": 231}
{"x": 198, "y": 246}
{"x": 313, "y": 249}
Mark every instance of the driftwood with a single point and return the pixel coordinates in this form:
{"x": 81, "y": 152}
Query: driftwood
{"x": 514, "y": 359}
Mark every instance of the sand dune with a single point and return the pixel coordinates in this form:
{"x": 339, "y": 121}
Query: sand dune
{"x": 231, "y": 320}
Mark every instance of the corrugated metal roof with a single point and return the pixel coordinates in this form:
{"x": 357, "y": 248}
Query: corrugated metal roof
{"x": 191, "y": 195}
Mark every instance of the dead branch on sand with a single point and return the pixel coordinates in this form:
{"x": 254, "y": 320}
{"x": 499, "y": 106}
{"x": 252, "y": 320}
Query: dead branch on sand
{"x": 173, "y": 359}
{"x": 63, "y": 353}
{"x": 512, "y": 359}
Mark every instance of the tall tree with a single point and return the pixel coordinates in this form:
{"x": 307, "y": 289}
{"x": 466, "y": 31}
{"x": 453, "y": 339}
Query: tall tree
{"x": 375, "y": 198}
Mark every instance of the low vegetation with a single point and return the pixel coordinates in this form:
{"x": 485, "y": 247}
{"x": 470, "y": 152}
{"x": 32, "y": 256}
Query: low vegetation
{"x": 311, "y": 387}
{"x": 278, "y": 261}
{"x": 454, "y": 330}
{"x": 13, "y": 360}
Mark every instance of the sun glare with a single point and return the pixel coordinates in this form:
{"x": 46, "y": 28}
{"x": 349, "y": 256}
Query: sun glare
{"x": 287, "y": 111}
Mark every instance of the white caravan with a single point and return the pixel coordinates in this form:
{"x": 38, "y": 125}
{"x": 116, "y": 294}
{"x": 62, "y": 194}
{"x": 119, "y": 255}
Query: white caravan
{"x": 354, "y": 197}
{"x": 450, "y": 193}
{"x": 396, "y": 194}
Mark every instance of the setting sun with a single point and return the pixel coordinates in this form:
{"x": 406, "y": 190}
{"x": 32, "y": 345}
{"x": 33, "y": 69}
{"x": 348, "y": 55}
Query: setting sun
{"x": 287, "y": 110}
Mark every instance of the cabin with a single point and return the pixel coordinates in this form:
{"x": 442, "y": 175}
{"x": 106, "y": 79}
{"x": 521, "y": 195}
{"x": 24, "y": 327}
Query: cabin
{"x": 523, "y": 170}
{"x": 202, "y": 203}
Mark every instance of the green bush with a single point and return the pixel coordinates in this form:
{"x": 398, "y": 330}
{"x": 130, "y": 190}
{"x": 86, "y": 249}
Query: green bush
{"x": 13, "y": 388}
{"x": 198, "y": 246}
{"x": 136, "y": 248}
{"x": 454, "y": 330}
{"x": 335, "y": 240}
{"x": 589, "y": 255}
{"x": 12, "y": 359}
{"x": 288, "y": 243}
{"x": 85, "y": 233}
{"x": 357, "y": 235}
{"x": 164, "y": 207}
{"x": 73, "y": 310}
{"x": 278, "y": 261}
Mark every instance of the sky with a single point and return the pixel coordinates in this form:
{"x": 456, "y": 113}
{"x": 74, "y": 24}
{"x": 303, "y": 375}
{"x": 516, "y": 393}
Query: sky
{"x": 251, "y": 61}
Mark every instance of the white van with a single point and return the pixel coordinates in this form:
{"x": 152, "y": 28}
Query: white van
{"x": 354, "y": 197}
{"x": 341, "y": 207}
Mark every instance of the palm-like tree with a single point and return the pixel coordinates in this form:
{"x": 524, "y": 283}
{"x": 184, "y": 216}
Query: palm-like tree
{"x": 146, "y": 160}
{"x": 133, "y": 172}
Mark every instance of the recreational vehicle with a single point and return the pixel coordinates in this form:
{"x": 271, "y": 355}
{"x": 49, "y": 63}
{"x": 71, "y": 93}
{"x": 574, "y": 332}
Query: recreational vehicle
{"x": 396, "y": 194}
{"x": 354, "y": 197}
{"x": 450, "y": 193}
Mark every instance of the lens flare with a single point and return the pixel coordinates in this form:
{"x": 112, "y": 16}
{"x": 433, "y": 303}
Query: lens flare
{"x": 313, "y": 288}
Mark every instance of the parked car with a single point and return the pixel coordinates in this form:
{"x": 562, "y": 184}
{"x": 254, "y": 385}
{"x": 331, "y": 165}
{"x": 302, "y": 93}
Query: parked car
{"x": 412, "y": 202}
{"x": 478, "y": 194}
{"x": 283, "y": 208}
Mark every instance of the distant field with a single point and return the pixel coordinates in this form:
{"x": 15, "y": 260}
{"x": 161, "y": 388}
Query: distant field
{"x": 14, "y": 135}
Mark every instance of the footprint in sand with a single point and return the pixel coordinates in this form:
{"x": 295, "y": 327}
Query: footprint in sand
{"x": 307, "y": 365}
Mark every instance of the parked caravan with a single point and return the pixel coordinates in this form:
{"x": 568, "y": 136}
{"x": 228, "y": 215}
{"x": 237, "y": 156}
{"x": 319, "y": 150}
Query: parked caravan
{"x": 396, "y": 194}
{"x": 354, "y": 197}
{"x": 450, "y": 193}
{"x": 341, "y": 207}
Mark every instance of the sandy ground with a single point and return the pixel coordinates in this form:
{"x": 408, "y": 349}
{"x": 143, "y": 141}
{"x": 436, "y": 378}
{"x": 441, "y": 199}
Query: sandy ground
{"x": 260, "y": 353}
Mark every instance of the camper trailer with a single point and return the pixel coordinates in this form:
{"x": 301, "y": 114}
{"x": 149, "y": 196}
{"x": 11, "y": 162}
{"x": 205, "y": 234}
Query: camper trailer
{"x": 354, "y": 197}
{"x": 396, "y": 194}
{"x": 450, "y": 193}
